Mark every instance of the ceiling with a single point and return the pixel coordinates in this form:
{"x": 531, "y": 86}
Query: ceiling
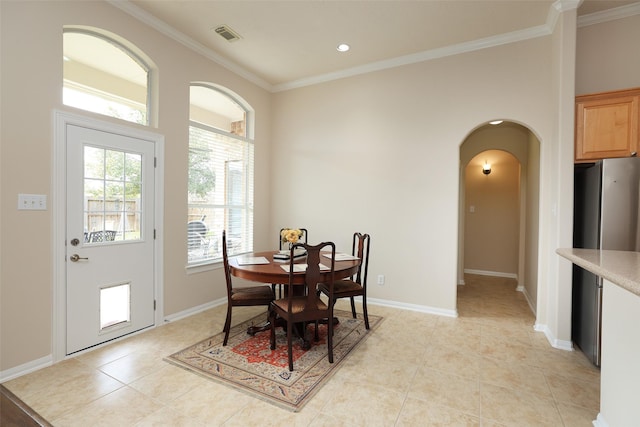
{"x": 291, "y": 43}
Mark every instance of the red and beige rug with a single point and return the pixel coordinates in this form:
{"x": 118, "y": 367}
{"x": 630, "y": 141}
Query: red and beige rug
{"x": 248, "y": 364}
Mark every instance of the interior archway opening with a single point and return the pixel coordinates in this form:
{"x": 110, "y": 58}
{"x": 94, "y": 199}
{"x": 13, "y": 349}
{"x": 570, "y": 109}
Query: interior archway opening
{"x": 498, "y": 213}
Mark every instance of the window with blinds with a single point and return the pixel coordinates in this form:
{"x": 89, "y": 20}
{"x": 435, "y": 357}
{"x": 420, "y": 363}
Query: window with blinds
{"x": 220, "y": 189}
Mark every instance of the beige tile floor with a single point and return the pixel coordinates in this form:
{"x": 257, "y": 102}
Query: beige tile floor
{"x": 485, "y": 368}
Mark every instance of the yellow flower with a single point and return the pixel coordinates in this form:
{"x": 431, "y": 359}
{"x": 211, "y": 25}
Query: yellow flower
{"x": 290, "y": 235}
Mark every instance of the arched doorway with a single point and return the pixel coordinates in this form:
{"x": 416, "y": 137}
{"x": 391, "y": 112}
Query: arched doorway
{"x": 488, "y": 214}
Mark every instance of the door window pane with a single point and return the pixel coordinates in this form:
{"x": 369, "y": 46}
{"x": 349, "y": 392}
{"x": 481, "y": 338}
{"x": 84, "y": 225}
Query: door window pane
{"x": 112, "y": 194}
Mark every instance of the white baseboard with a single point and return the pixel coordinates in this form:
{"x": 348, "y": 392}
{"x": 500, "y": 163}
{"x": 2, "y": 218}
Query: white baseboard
{"x": 26, "y": 368}
{"x": 194, "y": 310}
{"x": 530, "y": 301}
{"x": 599, "y": 421}
{"x": 555, "y": 343}
{"x": 491, "y": 273}
{"x": 412, "y": 307}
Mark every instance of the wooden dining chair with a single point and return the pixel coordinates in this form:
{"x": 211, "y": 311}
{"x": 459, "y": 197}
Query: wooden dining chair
{"x": 304, "y": 305}
{"x": 241, "y": 297}
{"x": 303, "y": 239}
{"x": 355, "y": 285}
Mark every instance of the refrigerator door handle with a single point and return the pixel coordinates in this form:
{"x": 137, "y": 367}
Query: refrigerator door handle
{"x": 598, "y": 336}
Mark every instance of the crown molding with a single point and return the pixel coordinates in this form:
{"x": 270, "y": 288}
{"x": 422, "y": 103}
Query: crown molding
{"x": 559, "y": 7}
{"x": 609, "y": 15}
{"x": 502, "y": 39}
{"x": 162, "y": 27}
{"x": 555, "y": 10}
{"x": 564, "y": 5}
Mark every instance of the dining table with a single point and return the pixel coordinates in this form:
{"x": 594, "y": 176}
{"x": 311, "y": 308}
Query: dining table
{"x": 262, "y": 267}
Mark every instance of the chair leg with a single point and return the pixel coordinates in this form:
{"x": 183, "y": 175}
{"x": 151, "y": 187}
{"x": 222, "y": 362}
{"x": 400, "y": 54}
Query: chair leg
{"x": 272, "y": 337}
{"x": 316, "y": 336}
{"x": 365, "y": 312}
{"x": 279, "y": 287}
{"x": 330, "y": 338}
{"x": 227, "y": 326}
{"x": 290, "y": 345}
{"x": 353, "y": 307}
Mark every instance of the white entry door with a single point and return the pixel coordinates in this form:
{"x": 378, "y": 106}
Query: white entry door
{"x": 109, "y": 236}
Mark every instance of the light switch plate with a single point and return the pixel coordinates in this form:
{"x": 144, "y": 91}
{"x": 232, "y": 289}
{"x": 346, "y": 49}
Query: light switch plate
{"x": 32, "y": 202}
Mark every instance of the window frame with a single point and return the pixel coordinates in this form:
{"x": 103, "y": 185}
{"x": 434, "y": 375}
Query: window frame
{"x": 248, "y": 177}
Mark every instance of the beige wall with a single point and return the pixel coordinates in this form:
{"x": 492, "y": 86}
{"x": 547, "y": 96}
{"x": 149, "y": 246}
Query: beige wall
{"x": 607, "y": 56}
{"x": 492, "y": 214}
{"x": 31, "y": 89}
{"x": 532, "y": 220}
{"x": 387, "y": 146}
{"x": 377, "y": 153}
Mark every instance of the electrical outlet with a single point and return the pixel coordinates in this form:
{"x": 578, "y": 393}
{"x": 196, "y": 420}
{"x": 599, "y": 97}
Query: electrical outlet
{"x": 380, "y": 279}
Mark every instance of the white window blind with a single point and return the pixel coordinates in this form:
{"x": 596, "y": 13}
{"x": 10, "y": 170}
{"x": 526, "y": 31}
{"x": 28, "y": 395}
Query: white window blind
{"x": 220, "y": 194}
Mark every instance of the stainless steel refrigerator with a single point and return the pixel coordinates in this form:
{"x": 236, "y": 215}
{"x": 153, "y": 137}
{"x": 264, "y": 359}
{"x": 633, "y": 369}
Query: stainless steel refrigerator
{"x": 605, "y": 217}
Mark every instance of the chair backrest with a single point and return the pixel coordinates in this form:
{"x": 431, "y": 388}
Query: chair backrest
{"x": 303, "y": 239}
{"x": 312, "y": 275}
{"x": 225, "y": 261}
{"x": 360, "y": 248}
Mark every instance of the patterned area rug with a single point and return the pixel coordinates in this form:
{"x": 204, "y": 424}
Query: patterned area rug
{"x": 248, "y": 364}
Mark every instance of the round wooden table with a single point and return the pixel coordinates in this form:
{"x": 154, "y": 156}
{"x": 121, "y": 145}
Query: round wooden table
{"x": 274, "y": 273}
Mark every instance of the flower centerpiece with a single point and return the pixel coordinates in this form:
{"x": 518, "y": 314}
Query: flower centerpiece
{"x": 291, "y": 235}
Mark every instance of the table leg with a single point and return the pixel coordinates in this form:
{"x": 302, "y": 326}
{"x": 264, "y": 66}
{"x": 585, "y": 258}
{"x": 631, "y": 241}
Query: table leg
{"x": 325, "y": 321}
{"x": 298, "y": 330}
{"x": 254, "y": 329}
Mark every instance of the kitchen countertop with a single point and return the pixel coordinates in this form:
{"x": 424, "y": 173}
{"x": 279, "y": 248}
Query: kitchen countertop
{"x": 619, "y": 267}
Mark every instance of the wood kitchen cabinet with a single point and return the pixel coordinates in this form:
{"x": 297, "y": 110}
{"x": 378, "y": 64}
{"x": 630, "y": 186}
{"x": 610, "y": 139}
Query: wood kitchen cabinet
{"x": 607, "y": 125}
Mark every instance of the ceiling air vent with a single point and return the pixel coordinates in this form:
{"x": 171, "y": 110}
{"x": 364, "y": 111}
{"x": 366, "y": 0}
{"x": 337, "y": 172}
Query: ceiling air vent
{"x": 227, "y": 33}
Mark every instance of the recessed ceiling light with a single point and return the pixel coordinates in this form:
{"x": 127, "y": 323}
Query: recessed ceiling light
{"x": 495, "y": 122}
{"x": 343, "y": 47}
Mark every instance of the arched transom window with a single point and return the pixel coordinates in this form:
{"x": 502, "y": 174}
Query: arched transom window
{"x": 103, "y": 76}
